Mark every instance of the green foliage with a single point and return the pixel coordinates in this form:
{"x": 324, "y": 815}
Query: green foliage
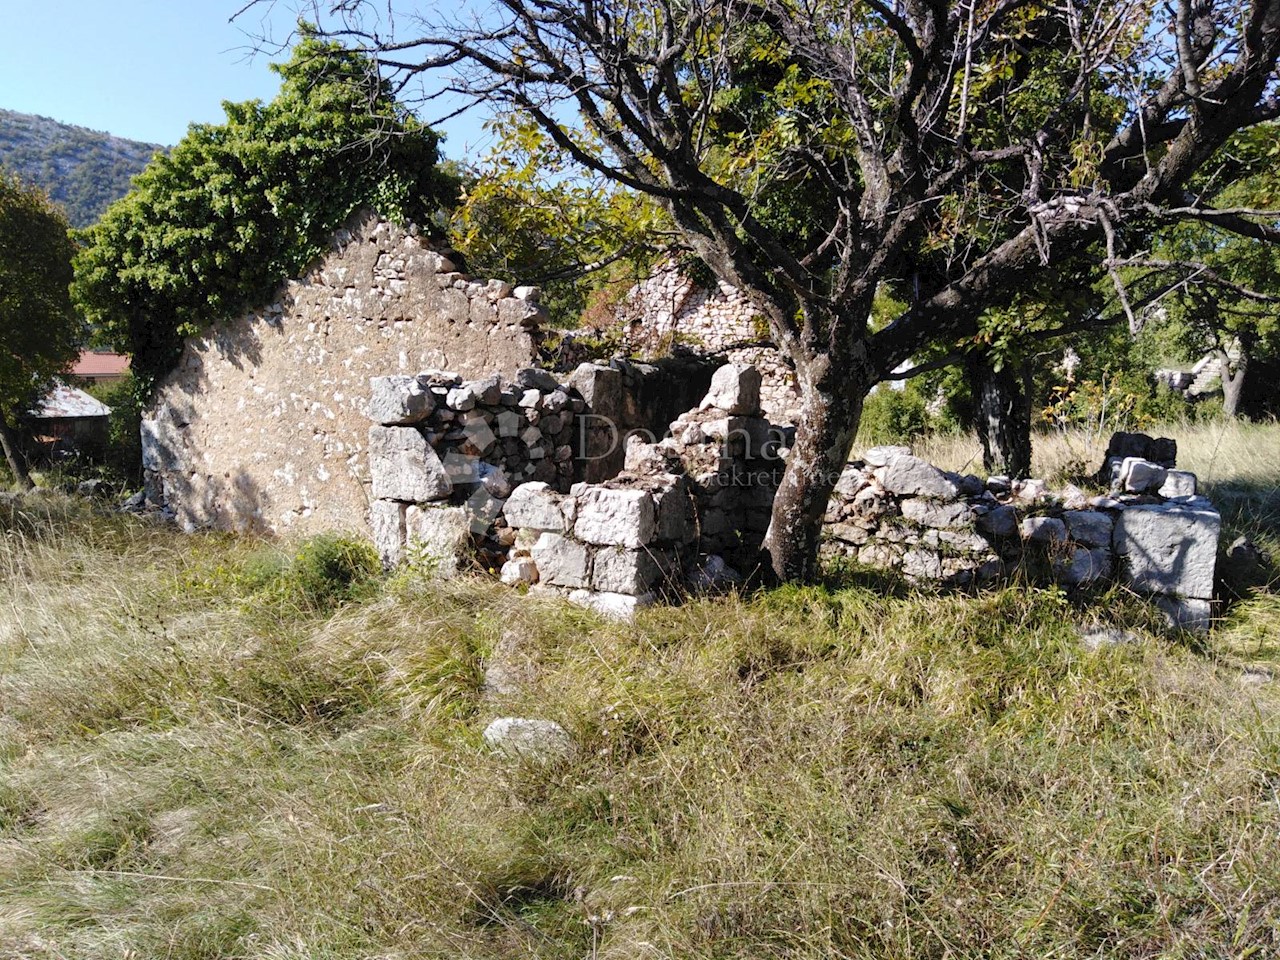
{"x": 84, "y": 171}
{"x": 39, "y": 331}
{"x": 240, "y": 206}
{"x": 122, "y": 458}
{"x": 327, "y": 570}
{"x": 893, "y": 416}
{"x": 527, "y": 216}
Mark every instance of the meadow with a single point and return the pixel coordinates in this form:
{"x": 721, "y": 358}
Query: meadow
{"x": 217, "y": 747}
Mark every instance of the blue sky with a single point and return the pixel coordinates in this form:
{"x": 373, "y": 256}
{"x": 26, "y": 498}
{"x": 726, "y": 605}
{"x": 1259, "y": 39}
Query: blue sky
{"x": 145, "y": 69}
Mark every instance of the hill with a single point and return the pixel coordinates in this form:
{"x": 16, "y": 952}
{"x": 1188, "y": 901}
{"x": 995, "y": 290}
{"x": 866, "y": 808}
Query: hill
{"x": 82, "y": 169}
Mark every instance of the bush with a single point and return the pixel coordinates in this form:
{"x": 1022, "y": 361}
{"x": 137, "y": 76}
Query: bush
{"x": 327, "y": 570}
{"x": 893, "y": 416}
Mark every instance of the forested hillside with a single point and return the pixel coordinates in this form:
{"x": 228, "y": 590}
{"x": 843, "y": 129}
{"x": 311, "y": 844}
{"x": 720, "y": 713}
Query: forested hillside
{"x": 82, "y": 169}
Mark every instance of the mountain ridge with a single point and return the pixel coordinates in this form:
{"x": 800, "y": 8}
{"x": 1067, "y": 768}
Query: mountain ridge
{"x": 83, "y": 170}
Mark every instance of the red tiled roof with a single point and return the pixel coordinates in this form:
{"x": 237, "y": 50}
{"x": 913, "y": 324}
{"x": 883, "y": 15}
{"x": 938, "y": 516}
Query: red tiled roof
{"x": 94, "y": 364}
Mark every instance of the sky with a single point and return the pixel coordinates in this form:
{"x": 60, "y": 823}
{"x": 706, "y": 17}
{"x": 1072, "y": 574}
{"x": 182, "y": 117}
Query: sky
{"x": 145, "y": 69}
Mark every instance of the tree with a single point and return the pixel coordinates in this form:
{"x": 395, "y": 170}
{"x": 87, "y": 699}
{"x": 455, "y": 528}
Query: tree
{"x": 875, "y": 109}
{"x": 39, "y": 331}
{"x": 238, "y": 207}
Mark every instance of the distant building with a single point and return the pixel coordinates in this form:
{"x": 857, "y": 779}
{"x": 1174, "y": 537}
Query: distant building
{"x": 67, "y": 420}
{"x": 100, "y": 366}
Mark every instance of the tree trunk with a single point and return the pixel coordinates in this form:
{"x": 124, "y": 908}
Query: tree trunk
{"x": 1232, "y": 383}
{"x": 13, "y": 453}
{"x": 1002, "y": 416}
{"x": 831, "y": 406}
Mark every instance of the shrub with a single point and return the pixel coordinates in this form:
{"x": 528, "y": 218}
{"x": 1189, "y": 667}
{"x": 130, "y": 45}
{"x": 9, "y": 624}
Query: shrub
{"x": 327, "y": 570}
{"x": 893, "y": 415}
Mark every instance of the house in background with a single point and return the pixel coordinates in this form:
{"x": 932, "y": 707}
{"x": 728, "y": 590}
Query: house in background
{"x": 67, "y": 420}
{"x": 99, "y": 366}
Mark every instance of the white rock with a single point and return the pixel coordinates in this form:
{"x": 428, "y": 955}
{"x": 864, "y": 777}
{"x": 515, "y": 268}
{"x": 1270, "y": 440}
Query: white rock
{"x": 910, "y": 476}
{"x": 1141, "y": 476}
{"x": 386, "y": 522}
{"x": 523, "y": 738}
{"x": 1044, "y": 530}
{"x": 561, "y": 562}
{"x": 615, "y": 606}
{"x": 1178, "y": 484}
{"x": 940, "y": 514}
{"x": 1170, "y": 548}
{"x": 437, "y": 538}
{"x": 520, "y": 570}
{"x": 402, "y": 466}
{"x": 535, "y": 506}
{"x": 1089, "y": 527}
{"x": 735, "y": 389}
{"x": 618, "y": 570}
{"x": 625, "y": 518}
{"x": 882, "y": 455}
{"x": 398, "y": 401}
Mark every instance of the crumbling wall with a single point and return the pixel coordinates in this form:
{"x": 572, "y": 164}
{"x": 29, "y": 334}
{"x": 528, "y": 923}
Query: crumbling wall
{"x": 669, "y": 311}
{"x": 263, "y": 425}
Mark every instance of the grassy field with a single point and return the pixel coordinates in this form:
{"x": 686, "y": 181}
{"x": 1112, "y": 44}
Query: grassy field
{"x": 209, "y": 748}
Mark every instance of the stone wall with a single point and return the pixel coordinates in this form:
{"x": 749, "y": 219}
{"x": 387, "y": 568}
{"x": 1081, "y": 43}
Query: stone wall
{"x": 894, "y": 511}
{"x": 263, "y": 424}
{"x": 669, "y": 311}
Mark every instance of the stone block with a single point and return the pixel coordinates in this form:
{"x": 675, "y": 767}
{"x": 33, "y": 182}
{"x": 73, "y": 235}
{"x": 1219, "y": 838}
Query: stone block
{"x": 940, "y": 514}
{"x": 675, "y": 515}
{"x": 399, "y": 401}
{"x": 1046, "y": 530}
{"x": 1083, "y": 566}
{"x": 1089, "y": 527}
{"x": 532, "y": 378}
{"x": 1140, "y": 476}
{"x": 403, "y": 466}
{"x": 521, "y": 738}
{"x": 918, "y": 564}
{"x": 999, "y": 522}
{"x": 619, "y": 517}
{"x": 615, "y": 606}
{"x": 535, "y": 506}
{"x": 735, "y": 389}
{"x": 386, "y": 523}
{"x": 519, "y": 570}
{"x": 1186, "y": 613}
{"x": 618, "y": 570}
{"x": 561, "y": 562}
{"x": 1170, "y": 548}
{"x": 881, "y": 456}
{"x": 910, "y": 476}
{"x": 1178, "y": 484}
{"x": 438, "y": 538}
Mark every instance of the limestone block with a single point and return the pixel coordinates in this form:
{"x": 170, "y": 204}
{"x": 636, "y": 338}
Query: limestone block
{"x": 522, "y": 738}
{"x": 882, "y": 455}
{"x": 1044, "y": 530}
{"x": 532, "y": 378}
{"x": 615, "y": 606}
{"x": 530, "y": 293}
{"x": 735, "y": 389}
{"x": 403, "y": 466}
{"x": 940, "y": 514}
{"x": 519, "y": 570}
{"x": 851, "y": 481}
{"x": 999, "y": 521}
{"x": 1186, "y": 613}
{"x": 618, "y": 570}
{"x": 1089, "y": 527}
{"x": 561, "y": 562}
{"x": 600, "y": 387}
{"x": 625, "y": 518}
{"x": 1178, "y": 484}
{"x": 399, "y": 401}
{"x": 460, "y": 399}
{"x": 386, "y": 522}
{"x": 1140, "y": 476}
{"x": 919, "y": 564}
{"x": 535, "y": 506}
{"x": 675, "y": 513}
{"x": 437, "y": 537}
{"x": 910, "y": 476}
{"x": 1170, "y": 547}
{"x": 1083, "y": 566}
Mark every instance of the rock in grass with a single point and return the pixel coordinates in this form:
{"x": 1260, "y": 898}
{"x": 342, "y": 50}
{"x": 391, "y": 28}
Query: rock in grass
{"x": 530, "y": 739}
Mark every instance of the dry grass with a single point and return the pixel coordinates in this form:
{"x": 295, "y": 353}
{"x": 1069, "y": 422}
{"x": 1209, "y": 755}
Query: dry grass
{"x": 191, "y": 769}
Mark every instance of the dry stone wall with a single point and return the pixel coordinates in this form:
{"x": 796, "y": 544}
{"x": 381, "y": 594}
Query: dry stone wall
{"x": 669, "y": 311}
{"x": 263, "y": 425}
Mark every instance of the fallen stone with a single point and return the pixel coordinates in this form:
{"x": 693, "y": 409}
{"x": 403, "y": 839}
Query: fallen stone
{"x": 1140, "y": 476}
{"x": 521, "y": 570}
{"x": 1100, "y": 637}
{"x": 522, "y": 738}
{"x": 615, "y": 606}
{"x": 910, "y": 476}
{"x": 402, "y": 466}
{"x": 881, "y": 456}
{"x": 508, "y": 670}
{"x": 398, "y": 401}
{"x": 1169, "y": 548}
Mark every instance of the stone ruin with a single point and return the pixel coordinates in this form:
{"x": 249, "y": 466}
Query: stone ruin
{"x": 689, "y": 511}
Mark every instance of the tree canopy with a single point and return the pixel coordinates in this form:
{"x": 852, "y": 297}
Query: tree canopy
{"x": 813, "y": 151}
{"x": 39, "y": 331}
{"x": 238, "y": 207}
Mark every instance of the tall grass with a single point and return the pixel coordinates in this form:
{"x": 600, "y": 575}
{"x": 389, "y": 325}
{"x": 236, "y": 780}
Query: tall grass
{"x": 192, "y": 768}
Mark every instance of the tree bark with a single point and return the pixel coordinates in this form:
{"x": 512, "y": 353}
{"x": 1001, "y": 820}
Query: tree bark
{"x": 831, "y": 406}
{"x": 1232, "y": 382}
{"x": 13, "y": 453}
{"x": 1002, "y": 415}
